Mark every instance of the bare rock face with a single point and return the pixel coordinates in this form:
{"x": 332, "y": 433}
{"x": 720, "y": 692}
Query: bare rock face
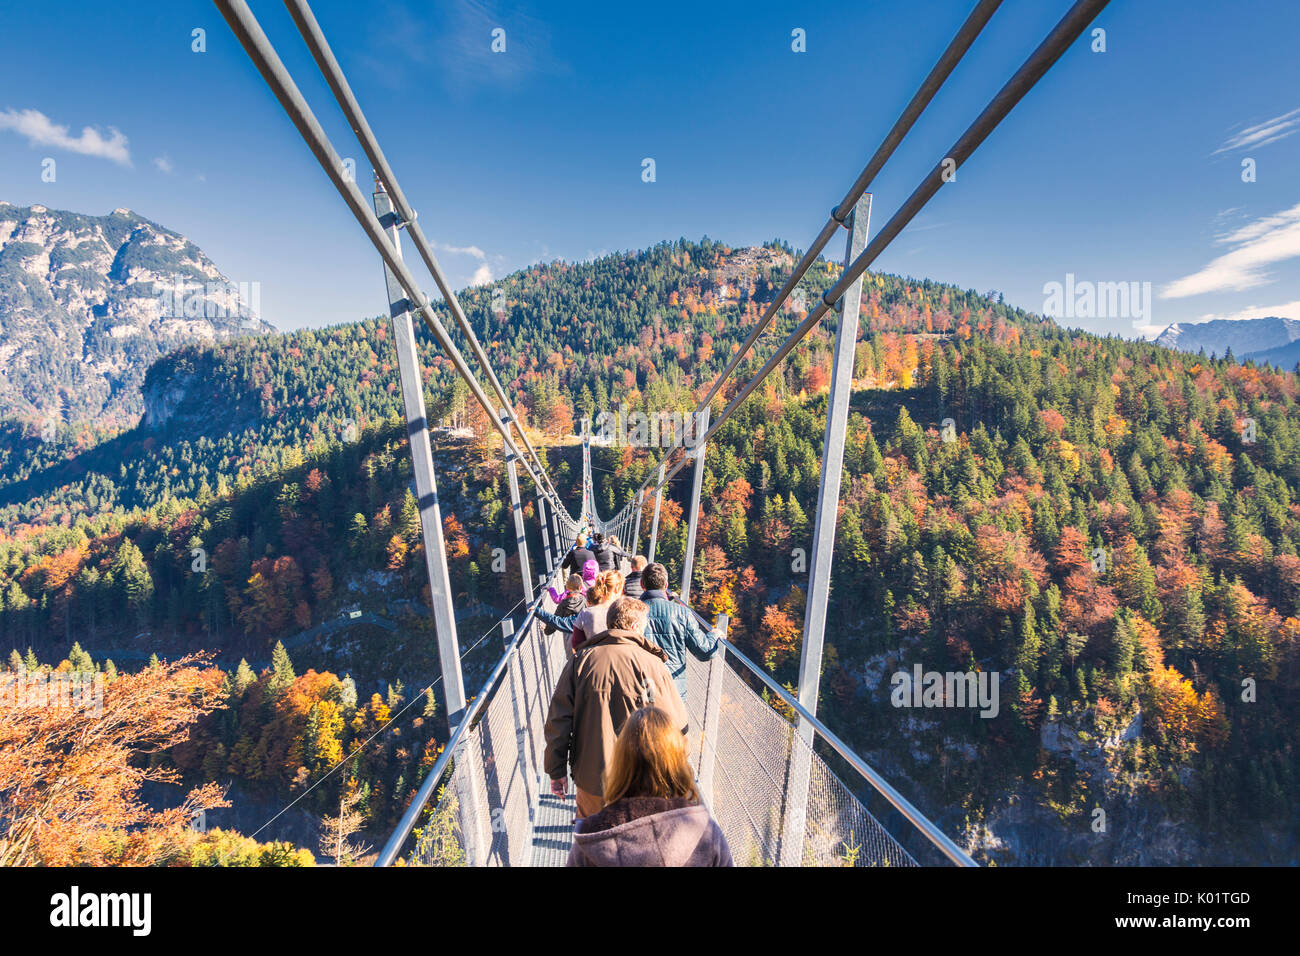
{"x": 87, "y": 303}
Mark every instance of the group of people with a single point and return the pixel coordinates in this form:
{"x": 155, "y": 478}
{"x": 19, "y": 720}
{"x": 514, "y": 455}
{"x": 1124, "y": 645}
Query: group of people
{"x": 617, "y": 717}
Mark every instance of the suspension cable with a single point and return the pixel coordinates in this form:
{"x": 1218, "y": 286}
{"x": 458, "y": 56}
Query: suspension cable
{"x": 1039, "y": 62}
{"x": 259, "y": 48}
{"x": 966, "y": 36}
{"x": 329, "y": 66}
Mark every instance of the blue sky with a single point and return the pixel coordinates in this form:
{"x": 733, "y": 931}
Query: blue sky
{"x": 1120, "y": 166}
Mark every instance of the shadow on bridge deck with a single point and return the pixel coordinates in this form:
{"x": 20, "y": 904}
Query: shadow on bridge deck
{"x": 553, "y": 831}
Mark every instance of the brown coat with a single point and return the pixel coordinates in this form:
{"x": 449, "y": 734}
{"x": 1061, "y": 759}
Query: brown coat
{"x": 611, "y": 676}
{"x": 650, "y": 831}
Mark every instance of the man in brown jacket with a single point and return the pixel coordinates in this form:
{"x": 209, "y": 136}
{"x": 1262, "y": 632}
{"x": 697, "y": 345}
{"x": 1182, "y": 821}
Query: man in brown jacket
{"x": 610, "y": 676}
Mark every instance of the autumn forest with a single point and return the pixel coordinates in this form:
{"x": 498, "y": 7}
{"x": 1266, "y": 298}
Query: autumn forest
{"x": 1112, "y": 526}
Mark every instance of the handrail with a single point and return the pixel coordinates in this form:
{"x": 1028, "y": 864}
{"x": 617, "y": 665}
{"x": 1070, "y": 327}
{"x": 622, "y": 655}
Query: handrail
{"x": 394, "y": 845}
{"x": 941, "y": 840}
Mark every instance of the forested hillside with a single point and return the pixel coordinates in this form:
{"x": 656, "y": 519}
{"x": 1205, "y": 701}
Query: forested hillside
{"x": 1110, "y": 526}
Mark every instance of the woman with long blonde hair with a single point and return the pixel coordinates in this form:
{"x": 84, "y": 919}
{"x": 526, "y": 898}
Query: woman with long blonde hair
{"x": 652, "y": 814}
{"x": 606, "y": 589}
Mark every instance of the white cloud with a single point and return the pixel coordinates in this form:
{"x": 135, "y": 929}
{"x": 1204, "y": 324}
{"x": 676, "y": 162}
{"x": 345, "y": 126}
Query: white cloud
{"x": 40, "y": 130}
{"x": 1258, "y": 244}
{"x": 1287, "y": 310}
{"x": 474, "y": 251}
{"x": 164, "y": 164}
{"x": 482, "y": 274}
{"x": 1261, "y": 134}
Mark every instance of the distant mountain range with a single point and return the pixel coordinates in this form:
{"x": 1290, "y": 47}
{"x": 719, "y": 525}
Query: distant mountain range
{"x": 87, "y": 303}
{"x": 1272, "y": 339}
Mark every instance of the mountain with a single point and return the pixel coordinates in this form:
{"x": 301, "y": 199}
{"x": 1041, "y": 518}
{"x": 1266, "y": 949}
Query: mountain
{"x": 1284, "y": 356}
{"x": 568, "y": 340}
{"x": 1086, "y": 517}
{"x": 88, "y": 303}
{"x": 1248, "y": 338}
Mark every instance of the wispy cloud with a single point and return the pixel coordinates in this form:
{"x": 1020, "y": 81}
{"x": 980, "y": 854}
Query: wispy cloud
{"x": 1261, "y": 134}
{"x": 483, "y": 273}
{"x": 474, "y": 251}
{"x": 1257, "y": 244}
{"x": 457, "y": 40}
{"x": 1287, "y": 310}
{"x": 40, "y": 130}
{"x": 164, "y": 164}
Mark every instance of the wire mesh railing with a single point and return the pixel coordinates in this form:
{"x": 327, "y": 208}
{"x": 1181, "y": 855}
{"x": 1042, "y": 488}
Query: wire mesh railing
{"x": 749, "y": 758}
{"x": 487, "y": 805}
{"x": 775, "y": 798}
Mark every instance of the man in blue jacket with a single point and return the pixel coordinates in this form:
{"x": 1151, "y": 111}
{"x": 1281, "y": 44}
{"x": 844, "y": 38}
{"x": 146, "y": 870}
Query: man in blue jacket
{"x": 673, "y": 626}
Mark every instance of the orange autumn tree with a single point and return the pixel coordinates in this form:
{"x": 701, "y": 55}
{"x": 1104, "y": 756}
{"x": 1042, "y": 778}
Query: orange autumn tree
{"x": 1183, "y": 720}
{"x": 780, "y": 630}
{"x": 70, "y": 777}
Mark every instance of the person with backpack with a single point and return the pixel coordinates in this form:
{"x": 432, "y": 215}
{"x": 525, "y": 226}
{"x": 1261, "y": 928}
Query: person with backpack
{"x": 571, "y": 601}
{"x": 607, "y": 552}
{"x": 653, "y": 815}
{"x": 579, "y": 556}
{"x": 611, "y": 676}
{"x": 673, "y": 626}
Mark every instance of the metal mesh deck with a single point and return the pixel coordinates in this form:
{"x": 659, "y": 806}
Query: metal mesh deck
{"x": 552, "y": 831}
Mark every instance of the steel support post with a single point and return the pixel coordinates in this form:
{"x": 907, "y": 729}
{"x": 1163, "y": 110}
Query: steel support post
{"x": 654, "y": 524}
{"x": 712, "y": 714}
{"x": 546, "y": 536}
{"x": 688, "y": 559}
{"x": 528, "y": 770}
{"x": 426, "y": 482}
{"x": 823, "y": 544}
{"x": 521, "y": 538}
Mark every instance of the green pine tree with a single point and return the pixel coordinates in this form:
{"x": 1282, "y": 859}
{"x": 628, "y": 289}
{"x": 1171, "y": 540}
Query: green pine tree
{"x": 282, "y": 674}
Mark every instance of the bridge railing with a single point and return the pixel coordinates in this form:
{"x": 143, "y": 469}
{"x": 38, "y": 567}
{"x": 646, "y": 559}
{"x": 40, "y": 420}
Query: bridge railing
{"x": 777, "y": 800}
{"x": 775, "y": 797}
{"x": 482, "y": 791}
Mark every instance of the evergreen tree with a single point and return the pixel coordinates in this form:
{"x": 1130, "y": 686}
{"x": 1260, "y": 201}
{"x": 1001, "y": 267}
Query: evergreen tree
{"x": 282, "y": 674}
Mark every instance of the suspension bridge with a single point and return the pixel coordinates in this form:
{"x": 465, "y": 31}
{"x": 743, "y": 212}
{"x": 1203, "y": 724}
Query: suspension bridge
{"x": 786, "y": 791}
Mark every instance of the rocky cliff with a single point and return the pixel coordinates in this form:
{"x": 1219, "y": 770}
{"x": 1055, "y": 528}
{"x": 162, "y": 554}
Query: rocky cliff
{"x": 87, "y": 303}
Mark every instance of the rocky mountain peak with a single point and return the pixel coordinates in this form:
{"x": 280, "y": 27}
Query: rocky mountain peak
{"x": 87, "y": 303}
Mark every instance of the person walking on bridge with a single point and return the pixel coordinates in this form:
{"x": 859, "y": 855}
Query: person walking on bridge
{"x": 589, "y": 620}
{"x": 632, "y": 585}
{"x": 607, "y": 552}
{"x": 579, "y": 556}
{"x": 673, "y": 626}
{"x": 568, "y": 603}
{"x": 604, "y": 591}
{"x": 610, "y": 677}
{"x": 652, "y": 815}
